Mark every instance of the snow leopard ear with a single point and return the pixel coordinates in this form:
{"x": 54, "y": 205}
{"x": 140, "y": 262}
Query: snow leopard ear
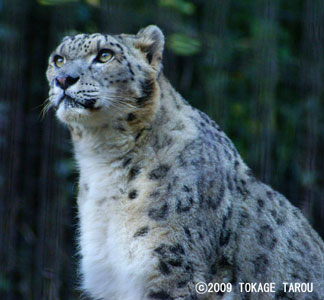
{"x": 150, "y": 40}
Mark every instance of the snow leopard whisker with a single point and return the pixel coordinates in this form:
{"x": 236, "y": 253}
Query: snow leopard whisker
{"x": 46, "y": 106}
{"x": 120, "y": 102}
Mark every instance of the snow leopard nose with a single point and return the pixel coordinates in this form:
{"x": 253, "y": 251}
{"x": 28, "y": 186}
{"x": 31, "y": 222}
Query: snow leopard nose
{"x": 65, "y": 82}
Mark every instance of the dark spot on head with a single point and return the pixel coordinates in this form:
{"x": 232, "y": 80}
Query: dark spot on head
{"x": 290, "y": 244}
{"x": 102, "y": 201}
{"x": 120, "y": 128}
{"x": 266, "y": 228}
{"x": 229, "y": 182}
{"x": 187, "y": 189}
{"x": 141, "y": 232}
{"x": 224, "y": 262}
{"x": 219, "y": 197}
{"x": 244, "y": 218}
{"x": 187, "y": 232}
{"x": 126, "y": 161}
{"x": 159, "y": 172}
{"x": 149, "y": 57}
{"x": 130, "y": 69}
{"x": 273, "y": 213}
{"x": 163, "y": 267}
{"x": 120, "y": 47}
{"x": 175, "y": 262}
{"x": 214, "y": 268}
{"x": 134, "y": 171}
{"x": 147, "y": 90}
{"x": 260, "y": 264}
{"x": 155, "y": 194}
{"x": 260, "y": 203}
{"x": 273, "y": 243}
{"x": 189, "y": 268}
{"x": 269, "y": 194}
{"x": 177, "y": 249}
{"x": 161, "y": 249}
{"x": 160, "y": 213}
{"x": 181, "y": 208}
{"x": 306, "y": 245}
{"x": 241, "y": 191}
{"x": 296, "y": 213}
{"x": 224, "y": 237}
{"x": 280, "y": 221}
{"x": 160, "y": 295}
{"x": 182, "y": 283}
{"x": 281, "y": 295}
{"x": 132, "y": 194}
{"x": 138, "y": 135}
{"x": 131, "y": 117}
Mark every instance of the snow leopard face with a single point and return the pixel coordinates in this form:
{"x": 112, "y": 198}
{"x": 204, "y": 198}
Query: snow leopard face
{"x": 95, "y": 78}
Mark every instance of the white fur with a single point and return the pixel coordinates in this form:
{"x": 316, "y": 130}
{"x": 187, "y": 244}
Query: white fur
{"x": 114, "y": 265}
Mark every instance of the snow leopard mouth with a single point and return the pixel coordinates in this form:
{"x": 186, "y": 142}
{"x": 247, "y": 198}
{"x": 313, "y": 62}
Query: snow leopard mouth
{"x": 70, "y": 102}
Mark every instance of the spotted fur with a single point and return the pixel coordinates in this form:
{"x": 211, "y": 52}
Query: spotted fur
{"x": 165, "y": 201}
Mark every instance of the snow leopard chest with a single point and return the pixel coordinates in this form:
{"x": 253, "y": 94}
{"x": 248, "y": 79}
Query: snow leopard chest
{"x": 113, "y": 264}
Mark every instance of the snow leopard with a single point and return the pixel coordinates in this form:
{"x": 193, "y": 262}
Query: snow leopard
{"x": 167, "y": 208}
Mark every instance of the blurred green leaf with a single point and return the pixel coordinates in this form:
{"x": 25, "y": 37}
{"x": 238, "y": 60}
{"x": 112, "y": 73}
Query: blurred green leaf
{"x": 307, "y": 178}
{"x": 65, "y": 167}
{"x": 184, "y": 7}
{"x": 182, "y": 44}
{"x": 7, "y": 33}
{"x": 237, "y": 109}
{"x": 4, "y": 283}
{"x": 55, "y": 2}
{"x": 95, "y": 3}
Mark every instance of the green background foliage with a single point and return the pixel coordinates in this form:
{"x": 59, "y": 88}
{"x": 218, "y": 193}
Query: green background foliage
{"x": 256, "y": 67}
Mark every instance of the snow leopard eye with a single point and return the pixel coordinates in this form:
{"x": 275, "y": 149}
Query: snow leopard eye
{"x": 59, "y": 61}
{"x": 104, "y": 55}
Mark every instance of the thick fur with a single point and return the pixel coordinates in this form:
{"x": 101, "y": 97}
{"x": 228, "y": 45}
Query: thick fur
{"x": 165, "y": 201}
